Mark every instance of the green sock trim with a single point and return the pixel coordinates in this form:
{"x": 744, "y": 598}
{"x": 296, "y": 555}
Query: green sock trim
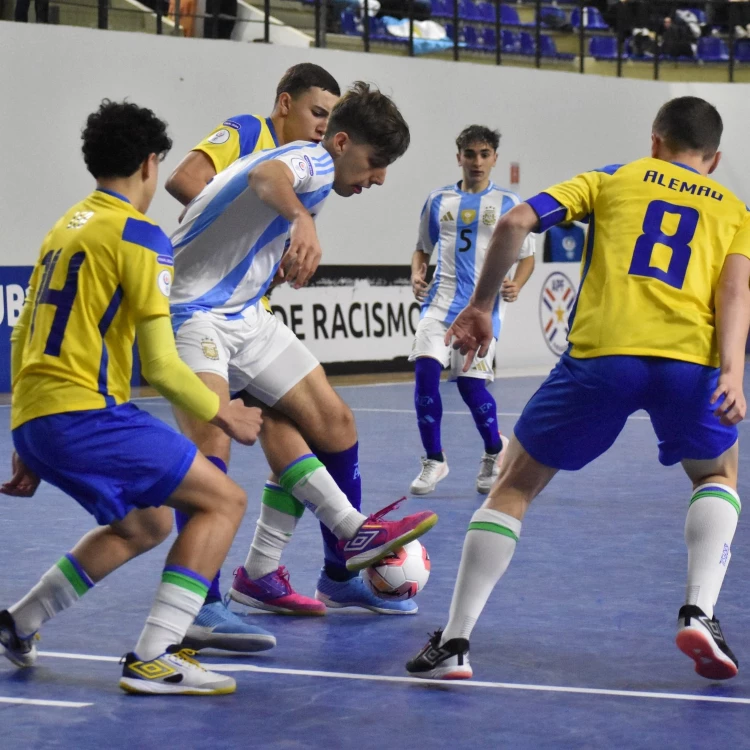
{"x": 69, "y": 571}
{"x": 184, "y": 582}
{"x": 298, "y": 471}
{"x": 731, "y": 499}
{"x": 280, "y": 500}
{"x": 495, "y": 528}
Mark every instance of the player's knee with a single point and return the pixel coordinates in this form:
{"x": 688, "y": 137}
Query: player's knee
{"x": 341, "y": 419}
{"x": 235, "y": 503}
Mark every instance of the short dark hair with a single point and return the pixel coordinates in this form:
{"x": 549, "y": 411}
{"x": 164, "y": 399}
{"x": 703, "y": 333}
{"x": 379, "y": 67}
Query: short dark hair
{"x": 478, "y": 134}
{"x": 689, "y": 124}
{"x": 299, "y": 78}
{"x": 370, "y": 117}
{"x": 120, "y": 136}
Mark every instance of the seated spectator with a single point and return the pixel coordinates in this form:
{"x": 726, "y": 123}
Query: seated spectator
{"x": 679, "y": 34}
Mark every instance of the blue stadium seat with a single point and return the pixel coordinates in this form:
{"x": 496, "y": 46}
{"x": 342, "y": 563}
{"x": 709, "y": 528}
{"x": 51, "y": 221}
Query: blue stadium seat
{"x": 488, "y": 40}
{"x": 526, "y": 45}
{"x": 442, "y": 8}
{"x": 510, "y": 41}
{"x": 593, "y": 17}
{"x": 509, "y": 16}
{"x": 552, "y": 16}
{"x": 742, "y": 50}
{"x": 712, "y": 49}
{"x": 378, "y": 30}
{"x": 349, "y": 23}
{"x": 449, "y": 30}
{"x": 471, "y": 38}
{"x": 699, "y": 14}
{"x": 605, "y": 48}
{"x": 549, "y": 48}
{"x": 486, "y": 12}
{"x": 468, "y": 10}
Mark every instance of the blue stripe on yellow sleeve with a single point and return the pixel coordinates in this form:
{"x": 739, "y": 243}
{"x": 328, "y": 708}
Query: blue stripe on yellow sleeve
{"x": 549, "y": 210}
{"x": 609, "y": 169}
{"x": 249, "y": 131}
{"x": 147, "y": 235}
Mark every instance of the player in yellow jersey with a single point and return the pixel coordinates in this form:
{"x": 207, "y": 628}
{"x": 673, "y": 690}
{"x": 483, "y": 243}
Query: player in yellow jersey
{"x": 660, "y": 324}
{"x": 104, "y": 273}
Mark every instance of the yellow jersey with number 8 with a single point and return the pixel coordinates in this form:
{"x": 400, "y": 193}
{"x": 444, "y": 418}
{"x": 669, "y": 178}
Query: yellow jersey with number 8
{"x": 102, "y": 268}
{"x": 659, "y": 233}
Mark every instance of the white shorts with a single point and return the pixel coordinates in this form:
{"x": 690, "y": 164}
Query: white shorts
{"x": 257, "y": 354}
{"x": 429, "y": 341}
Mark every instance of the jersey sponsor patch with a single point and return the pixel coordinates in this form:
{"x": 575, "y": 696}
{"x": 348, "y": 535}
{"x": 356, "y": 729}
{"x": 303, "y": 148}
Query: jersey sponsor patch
{"x": 220, "y": 136}
{"x": 165, "y": 260}
{"x": 164, "y": 282}
{"x": 299, "y": 166}
{"x": 231, "y": 124}
{"x": 555, "y": 303}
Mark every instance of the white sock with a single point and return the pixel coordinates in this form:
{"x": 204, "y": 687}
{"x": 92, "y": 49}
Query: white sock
{"x": 488, "y": 548}
{"x": 709, "y": 528}
{"x": 279, "y": 514}
{"x": 173, "y": 612}
{"x": 59, "y": 588}
{"x": 309, "y": 481}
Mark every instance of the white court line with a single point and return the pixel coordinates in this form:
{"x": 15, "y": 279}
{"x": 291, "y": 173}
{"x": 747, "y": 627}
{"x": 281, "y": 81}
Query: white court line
{"x": 35, "y": 702}
{"x": 453, "y": 684}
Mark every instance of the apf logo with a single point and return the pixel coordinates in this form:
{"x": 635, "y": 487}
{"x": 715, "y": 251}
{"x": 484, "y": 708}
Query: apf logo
{"x": 555, "y": 303}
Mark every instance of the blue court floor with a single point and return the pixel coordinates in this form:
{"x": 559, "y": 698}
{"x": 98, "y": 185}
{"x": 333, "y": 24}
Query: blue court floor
{"x": 575, "y": 648}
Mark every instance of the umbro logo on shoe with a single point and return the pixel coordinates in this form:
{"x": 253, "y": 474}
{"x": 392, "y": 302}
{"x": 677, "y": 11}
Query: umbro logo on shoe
{"x": 362, "y": 540}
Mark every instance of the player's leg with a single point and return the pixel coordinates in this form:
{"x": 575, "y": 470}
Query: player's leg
{"x": 689, "y": 432}
{"x": 430, "y": 355}
{"x": 283, "y": 374}
{"x": 472, "y": 386}
{"x": 206, "y": 348}
{"x": 568, "y": 422}
{"x": 96, "y": 555}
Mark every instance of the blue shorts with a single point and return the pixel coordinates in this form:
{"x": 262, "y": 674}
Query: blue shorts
{"x": 110, "y": 460}
{"x": 578, "y": 412}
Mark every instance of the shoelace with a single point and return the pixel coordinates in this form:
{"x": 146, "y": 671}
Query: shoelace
{"x": 381, "y": 513}
{"x": 284, "y": 575}
{"x": 487, "y": 465}
{"x": 187, "y": 654}
{"x": 429, "y": 468}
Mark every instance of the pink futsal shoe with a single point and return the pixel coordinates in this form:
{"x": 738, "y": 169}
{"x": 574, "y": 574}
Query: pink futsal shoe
{"x": 377, "y": 538}
{"x": 273, "y": 593}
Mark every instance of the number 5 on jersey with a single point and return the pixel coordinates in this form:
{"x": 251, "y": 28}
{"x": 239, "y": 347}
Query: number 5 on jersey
{"x": 678, "y": 243}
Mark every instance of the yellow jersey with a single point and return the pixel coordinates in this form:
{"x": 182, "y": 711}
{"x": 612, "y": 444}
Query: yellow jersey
{"x": 238, "y": 137}
{"x": 659, "y": 233}
{"x": 102, "y": 268}
{"x": 235, "y": 138}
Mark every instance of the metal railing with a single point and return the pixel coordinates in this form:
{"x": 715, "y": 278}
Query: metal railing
{"x": 496, "y": 31}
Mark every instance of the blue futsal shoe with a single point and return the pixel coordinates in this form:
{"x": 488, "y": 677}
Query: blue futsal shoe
{"x": 354, "y": 593}
{"x": 216, "y": 626}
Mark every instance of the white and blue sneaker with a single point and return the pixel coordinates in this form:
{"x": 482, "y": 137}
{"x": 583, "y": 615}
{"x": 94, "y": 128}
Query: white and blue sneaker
{"x": 354, "y": 593}
{"x": 21, "y": 651}
{"x": 216, "y": 626}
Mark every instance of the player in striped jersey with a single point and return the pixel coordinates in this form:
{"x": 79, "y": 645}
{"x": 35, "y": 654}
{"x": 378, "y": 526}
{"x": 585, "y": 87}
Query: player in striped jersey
{"x": 457, "y": 222}
{"x": 227, "y": 252}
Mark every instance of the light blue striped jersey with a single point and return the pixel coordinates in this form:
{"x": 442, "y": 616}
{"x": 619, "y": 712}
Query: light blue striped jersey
{"x": 230, "y": 244}
{"x": 459, "y": 226}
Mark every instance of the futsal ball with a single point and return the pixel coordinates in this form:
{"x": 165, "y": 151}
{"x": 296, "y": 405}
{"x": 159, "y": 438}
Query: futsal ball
{"x": 400, "y": 575}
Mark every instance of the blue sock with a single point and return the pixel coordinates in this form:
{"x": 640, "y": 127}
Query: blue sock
{"x": 429, "y": 406}
{"x": 484, "y": 410}
{"x": 344, "y": 468}
{"x": 214, "y": 592}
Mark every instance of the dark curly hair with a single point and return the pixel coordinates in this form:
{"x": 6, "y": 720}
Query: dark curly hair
{"x": 478, "y": 134}
{"x": 370, "y": 117}
{"x": 120, "y": 136}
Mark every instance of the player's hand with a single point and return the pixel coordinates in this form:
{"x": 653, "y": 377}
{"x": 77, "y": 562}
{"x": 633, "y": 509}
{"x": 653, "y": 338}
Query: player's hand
{"x": 304, "y": 253}
{"x": 731, "y": 399}
{"x": 471, "y": 333}
{"x": 240, "y": 422}
{"x": 24, "y": 482}
{"x": 418, "y": 284}
{"x": 509, "y": 290}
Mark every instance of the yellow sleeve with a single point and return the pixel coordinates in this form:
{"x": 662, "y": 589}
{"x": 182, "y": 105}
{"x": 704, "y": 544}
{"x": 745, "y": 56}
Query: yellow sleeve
{"x": 578, "y": 195}
{"x": 165, "y": 371}
{"x": 741, "y": 242}
{"x": 145, "y": 268}
{"x": 221, "y": 145}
